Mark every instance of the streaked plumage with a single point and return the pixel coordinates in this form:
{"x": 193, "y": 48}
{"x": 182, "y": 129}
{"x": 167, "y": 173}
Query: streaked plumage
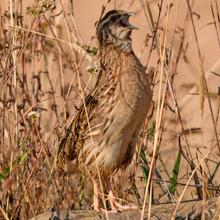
{"x": 116, "y": 108}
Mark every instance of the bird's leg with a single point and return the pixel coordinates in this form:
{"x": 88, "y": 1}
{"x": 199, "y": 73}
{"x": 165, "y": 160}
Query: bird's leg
{"x": 115, "y": 206}
{"x": 96, "y": 205}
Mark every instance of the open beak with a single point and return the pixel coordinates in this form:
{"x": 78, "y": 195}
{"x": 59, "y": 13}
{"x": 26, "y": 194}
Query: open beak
{"x": 130, "y": 26}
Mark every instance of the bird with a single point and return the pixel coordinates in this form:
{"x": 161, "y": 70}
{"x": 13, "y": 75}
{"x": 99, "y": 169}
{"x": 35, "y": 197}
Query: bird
{"x": 104, "y": 132}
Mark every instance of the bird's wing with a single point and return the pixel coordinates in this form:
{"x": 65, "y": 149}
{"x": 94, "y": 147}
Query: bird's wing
{"x": 74, "y": 134}
{"x": 88, "y": 121}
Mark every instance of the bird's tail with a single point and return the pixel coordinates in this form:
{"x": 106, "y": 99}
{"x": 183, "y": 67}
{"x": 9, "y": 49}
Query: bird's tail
{"x": 66, "y": 150}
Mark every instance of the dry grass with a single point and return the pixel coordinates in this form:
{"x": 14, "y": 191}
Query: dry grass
{"x": 46, "y": 70}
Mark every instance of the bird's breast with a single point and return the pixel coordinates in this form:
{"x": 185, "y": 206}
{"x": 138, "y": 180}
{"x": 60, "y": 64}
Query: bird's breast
{"x": 127, "y": 117}
{"x": 123, "y": 107}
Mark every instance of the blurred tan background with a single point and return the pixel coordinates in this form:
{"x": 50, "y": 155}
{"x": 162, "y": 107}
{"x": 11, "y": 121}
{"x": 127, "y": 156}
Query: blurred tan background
{"x": 180, "y": 46}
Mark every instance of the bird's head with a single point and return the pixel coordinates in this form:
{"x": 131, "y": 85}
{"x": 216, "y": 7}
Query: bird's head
{"x": 114, "y": 28}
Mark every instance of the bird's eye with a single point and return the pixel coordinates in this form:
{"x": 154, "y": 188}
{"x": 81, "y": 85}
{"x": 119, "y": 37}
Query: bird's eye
{"x": 124, "y": 21}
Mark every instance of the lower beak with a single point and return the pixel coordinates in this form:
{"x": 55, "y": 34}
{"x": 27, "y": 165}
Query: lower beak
{"x": 132, "y": 27}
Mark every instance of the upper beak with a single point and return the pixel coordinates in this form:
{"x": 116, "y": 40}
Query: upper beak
{"x": 131, "y": 13}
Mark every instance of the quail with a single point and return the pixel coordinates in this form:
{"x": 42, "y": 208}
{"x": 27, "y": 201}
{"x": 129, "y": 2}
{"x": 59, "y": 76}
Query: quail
{"x": 103, "y": 135}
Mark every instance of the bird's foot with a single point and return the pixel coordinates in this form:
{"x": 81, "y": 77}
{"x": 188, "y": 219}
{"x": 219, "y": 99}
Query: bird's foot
{"x": 117, "y": 207}
{"x": 96, "y": 202}
{"x": 96, "y": 206}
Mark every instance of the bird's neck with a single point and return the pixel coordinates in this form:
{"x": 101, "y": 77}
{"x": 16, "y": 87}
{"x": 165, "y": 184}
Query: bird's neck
{"x": 110, "y": 54}
{"x": 123, "y": 45}
{"x": 111, "y": 58}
